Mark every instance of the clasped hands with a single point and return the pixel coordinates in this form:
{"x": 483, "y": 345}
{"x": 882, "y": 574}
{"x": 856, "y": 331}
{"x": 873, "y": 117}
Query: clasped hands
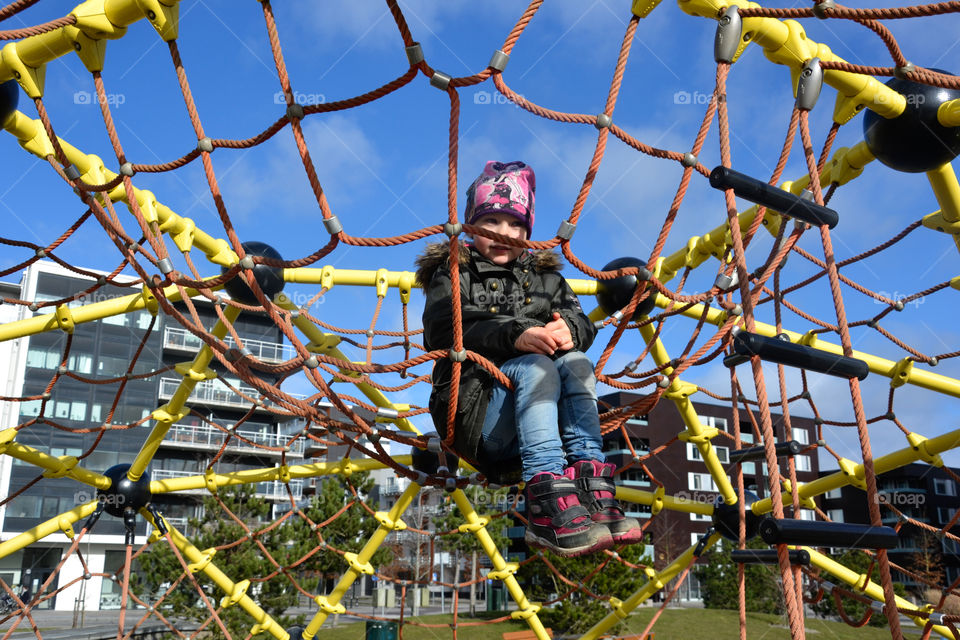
{"x": 548, "y": 339}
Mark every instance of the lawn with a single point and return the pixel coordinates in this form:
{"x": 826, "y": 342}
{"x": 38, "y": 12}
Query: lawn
{"x": 674, "y": 624}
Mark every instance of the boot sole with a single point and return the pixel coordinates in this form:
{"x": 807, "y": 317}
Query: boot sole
{"x": 630, "y": 537}
{"x": 603, "y": 542}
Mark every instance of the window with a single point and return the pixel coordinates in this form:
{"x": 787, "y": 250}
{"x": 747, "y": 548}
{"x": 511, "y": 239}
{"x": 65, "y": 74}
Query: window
{"x": 711, "y": 421}
{"x": 832, "y": 494}
{"x": 836, "y": 515}
{"x": 802, "y": 462}
{"x": 78, "y": 410}
{"x": 749, "y": 468}
{"x": 808, "y": 514}
{"x": 693, "y": 453}
{"x": 699, "y": 517}
{"x": 746, "y": 438}
{"x": 944, "y": 514}
{"x": 700, "y": 482}
{"x": 944, "y": 487}
{"x": 801, "y": 435}
{"x": 951, "y": 546}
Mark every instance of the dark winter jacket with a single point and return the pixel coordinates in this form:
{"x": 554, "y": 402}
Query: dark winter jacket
{"x": 498, "y": 304}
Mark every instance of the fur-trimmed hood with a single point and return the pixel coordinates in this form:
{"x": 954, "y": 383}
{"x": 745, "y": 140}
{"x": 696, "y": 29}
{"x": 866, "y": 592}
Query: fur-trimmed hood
{"x": 437, "y": 254}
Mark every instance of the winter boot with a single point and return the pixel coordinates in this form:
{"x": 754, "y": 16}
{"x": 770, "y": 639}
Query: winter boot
{"x": 557, "y": 521}
{"x": 596, "y": 491}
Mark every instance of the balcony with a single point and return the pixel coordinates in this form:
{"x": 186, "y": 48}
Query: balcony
{"x": 180, "y": 339}
{"x": 205, "y": 437}
{"x": 270, "y": 490}
{"x": 212, "y": 392}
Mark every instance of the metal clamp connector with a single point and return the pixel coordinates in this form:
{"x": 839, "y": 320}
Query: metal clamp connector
{"x": 294, "y": 111}
{"x": 565, "y": 232}
{"x": 727, "y": 40}
{"x": 499, "y": 60}
{"x": 165, "y": 265}
{"x": 458, "y": 356}
{"x": 689, "y": 160}
{"x": 809, "y": 85}
{"x": 71, "y": 172}
{"x": 452, "y": 229}
{"x": 901, "y": 72}
{"x": 126, "y": 169}
{"x": 205, "y": 144}
{"x": 603, "y": 121}
{"x": 332, "y": 225}
{"x": 311, "y": 362}
{"x": 414, "y": 54}
{"x": 387, "y": 412}
{"x": 440, "y": 80}
{"x": 820, "y": 8}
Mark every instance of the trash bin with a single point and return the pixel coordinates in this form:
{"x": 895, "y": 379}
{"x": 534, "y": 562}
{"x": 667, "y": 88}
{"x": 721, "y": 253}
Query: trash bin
{"x": 496, "y": 599}
{"x": 381, "y": 630}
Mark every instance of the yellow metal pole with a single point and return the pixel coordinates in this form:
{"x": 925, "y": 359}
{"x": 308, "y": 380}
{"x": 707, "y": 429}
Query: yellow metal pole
{"x": 236, "y": 592}
{"x": 860, "y": 582}
{"x": 679, "y": 392}
{"x": 945, "y": 187}
{"x": 174, "y": 410}
{"x": 55, "y": 466}
{"x": 786, "y": 43}
{"x": 502, "y": 570}
{"x": 63, "y": 522}
{"x": 852, "y": 473}
{"x": 638, "y": 496}
{"x": 183, "y": 231}
{"x": 360, "y": 562}
{"x": 656, "y": 582}
{"x": 251, "y": 476}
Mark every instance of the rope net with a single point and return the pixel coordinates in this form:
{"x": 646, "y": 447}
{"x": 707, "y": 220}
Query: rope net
{"x": 744, "y": 291}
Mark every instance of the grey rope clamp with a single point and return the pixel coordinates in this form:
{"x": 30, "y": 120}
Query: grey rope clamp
{"x": 565, "y": 232}
{"x": 440, "y": 80}
{"x": 603, "y": 121}
{"x": 458, "y": 356}
{"x": 205, "y": 144}
{"x": 295, "y": 111}
{"x": 71, "y": 172}
{"x": 434, "y": 445}
{"x": 311, "y": 362}
{"x": 165, "y": 265}
{"x": 387, "y": 412}
{"x": 820, "y": 8}
{"x": 724, "y": 282}
{"x": 689, "y": 160}
{"x": 414, "y": 54}
{"x": 452, "y": 229}
{"x": 727, "y": 40}
{"x": 499, "y": 60}
{"x": 247, "y": 262}
{"x": 332, "y": 225}
{"x": 126, "y": 169}
{"x": 809, "y": 85}
{"x": 901, "y": 73}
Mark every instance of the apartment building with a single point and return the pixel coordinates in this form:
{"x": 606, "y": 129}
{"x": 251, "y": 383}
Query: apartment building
{"x": 81, "y": 402}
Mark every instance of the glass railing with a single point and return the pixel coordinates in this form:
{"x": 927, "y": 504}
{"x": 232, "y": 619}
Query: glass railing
{"x": 270, "y": 490}
{"x": 179, "y": 338}
{"x": 209, "y": 437}
{"x": 214, "y": 392}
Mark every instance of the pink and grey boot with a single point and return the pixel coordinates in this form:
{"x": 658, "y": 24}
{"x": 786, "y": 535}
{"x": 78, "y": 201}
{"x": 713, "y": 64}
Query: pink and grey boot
{"x": 596, "y": 491}
{"x": 557, "y": 521}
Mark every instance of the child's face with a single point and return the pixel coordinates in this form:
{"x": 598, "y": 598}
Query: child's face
{"x": 506, "y": 225}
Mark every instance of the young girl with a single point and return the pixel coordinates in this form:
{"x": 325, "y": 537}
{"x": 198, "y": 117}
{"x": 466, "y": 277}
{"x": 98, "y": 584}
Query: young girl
{"x": 521, "y": 314}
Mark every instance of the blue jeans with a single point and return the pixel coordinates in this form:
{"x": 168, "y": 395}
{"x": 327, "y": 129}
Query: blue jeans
{"x": 550, "y": 418}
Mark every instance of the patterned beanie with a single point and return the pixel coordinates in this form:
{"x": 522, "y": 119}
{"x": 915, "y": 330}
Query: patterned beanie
{"x": 503, "y": 187}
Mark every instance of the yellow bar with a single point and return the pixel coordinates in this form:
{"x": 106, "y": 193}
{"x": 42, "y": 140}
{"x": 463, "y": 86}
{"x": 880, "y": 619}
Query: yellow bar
{"x": 945, "y": 188}
{"x": 61, "y": 522}
{"x": 656, "y": 582}
{"x": 784, "y": 42}
{"x": 57, "y": 466}
{"x": 921, "y": 449}
{"x": 638, "y": 496}
{"x": 679, "y": 392}
{"x": 235, "y": 592}
{"x": 183, "y": 231}
{"x": 173, "y": 410}
{"x": 86, "y": 313}
{"x": 170, "y": 485}
{"x": 360, "y": 564}
{"x": 859, "y": 582}
{"x": 477, "y": 526}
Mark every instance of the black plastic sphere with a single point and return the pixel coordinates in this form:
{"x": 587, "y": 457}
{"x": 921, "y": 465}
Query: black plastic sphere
{"x": 270, "y": 279}
{"x": 427, "y": 461}
{"x": 9, "y": 96}
{"x": 726, "y": 518}
{"x": 914, "y": 141}
{"x": 613, "y": 295}
{"x": 123, "y": 492}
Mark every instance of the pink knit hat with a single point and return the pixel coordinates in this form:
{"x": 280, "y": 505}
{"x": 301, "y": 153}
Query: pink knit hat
{"x": 503, "y": 187}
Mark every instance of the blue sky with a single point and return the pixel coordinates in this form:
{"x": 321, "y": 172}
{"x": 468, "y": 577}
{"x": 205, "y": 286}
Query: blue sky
{"x": 383, "y": 166}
